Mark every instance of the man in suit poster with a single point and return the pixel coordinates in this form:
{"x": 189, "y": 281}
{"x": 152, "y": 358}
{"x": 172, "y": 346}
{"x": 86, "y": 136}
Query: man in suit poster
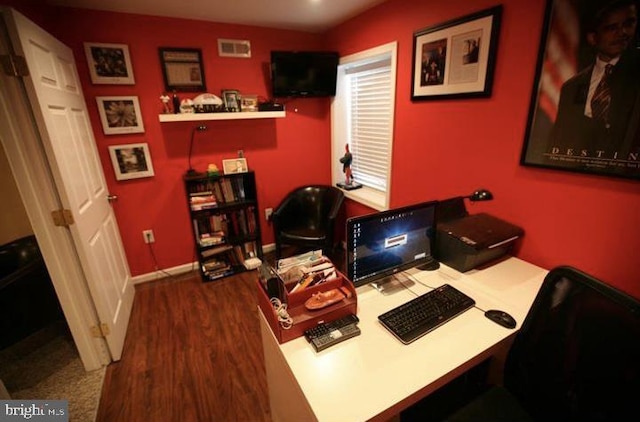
{"x": 589, "y": 119}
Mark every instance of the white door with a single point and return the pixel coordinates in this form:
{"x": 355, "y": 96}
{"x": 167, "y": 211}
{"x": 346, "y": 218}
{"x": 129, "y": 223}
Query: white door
{"x": 55, "y": 94}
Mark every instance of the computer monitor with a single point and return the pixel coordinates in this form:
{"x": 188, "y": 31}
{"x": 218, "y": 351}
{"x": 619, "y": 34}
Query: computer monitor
{"x": 384, "y": 243}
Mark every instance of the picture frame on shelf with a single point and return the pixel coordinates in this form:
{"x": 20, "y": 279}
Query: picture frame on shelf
{"x": 248, "y": 103}
{"x": 231, "y": 98}
{"x": 109, "y": 63}
{"x": 235, "y": 165}
{"x": 456, "y": 59}
{"x": 562, "y": 132}
{"x": 182, "y": 69}
{"x": 120, "y": 115}
{"x": 131, "y": 161}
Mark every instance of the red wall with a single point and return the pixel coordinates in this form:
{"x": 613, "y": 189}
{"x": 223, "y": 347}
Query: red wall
{"x": 446, "y": 148}
{"x": 441, "y": 148}
{"x": 283, "y": 153}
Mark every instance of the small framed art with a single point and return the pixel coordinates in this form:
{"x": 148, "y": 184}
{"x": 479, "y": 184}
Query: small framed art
{"x": 456, "y": 59}
{"x": 231, "y": 99}
{"x": 120, "y": 115}
{"x": 236, "y": 165}
{"x": 182, "y": 69}
{"x": 109, "y": 63}
{"x": 131, "y": 161}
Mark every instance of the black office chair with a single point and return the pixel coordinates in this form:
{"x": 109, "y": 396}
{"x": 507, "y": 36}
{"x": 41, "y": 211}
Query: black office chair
{"x": 306, "y": 218}
{"x": 576, "y": 357}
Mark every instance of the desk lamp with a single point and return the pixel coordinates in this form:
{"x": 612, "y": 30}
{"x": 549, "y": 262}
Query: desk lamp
{"x": 201, "y": 128}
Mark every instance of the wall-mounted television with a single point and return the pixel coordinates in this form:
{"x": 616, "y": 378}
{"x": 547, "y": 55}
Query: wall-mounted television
{"x": 303, "y": 73}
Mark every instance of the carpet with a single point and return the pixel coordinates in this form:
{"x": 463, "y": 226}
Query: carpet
{"x": 46, "y": 366}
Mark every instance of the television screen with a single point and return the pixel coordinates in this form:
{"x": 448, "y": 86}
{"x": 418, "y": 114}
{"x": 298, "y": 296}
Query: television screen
{"x": 303, "y": 73}
{"x": 381, "y": 244}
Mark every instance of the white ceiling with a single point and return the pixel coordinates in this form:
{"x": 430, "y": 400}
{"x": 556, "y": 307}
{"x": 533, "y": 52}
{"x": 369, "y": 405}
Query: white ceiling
{"x": 303, "y": 15}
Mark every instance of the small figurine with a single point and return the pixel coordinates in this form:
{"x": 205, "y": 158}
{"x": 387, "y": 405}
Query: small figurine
{"x": 212, "y": 170}
{"x": 165, "y": 104}
{"x": 346, "y": 165}
{"x": 346, "y": 160}
{"x": 176, "y": 103}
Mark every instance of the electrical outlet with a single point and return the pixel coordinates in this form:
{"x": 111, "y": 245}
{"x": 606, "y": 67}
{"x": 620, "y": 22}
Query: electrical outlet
{"x": 148, "y": 236}
{"x": 267, "y": 213}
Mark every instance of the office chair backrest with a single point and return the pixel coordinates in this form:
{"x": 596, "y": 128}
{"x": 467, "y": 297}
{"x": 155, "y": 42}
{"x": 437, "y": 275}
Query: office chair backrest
{"x": 577, "y": 355}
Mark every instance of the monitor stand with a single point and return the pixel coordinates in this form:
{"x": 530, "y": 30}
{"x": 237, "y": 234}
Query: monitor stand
{"x": 393, "y": 283}
{"x": 430, "y": 265}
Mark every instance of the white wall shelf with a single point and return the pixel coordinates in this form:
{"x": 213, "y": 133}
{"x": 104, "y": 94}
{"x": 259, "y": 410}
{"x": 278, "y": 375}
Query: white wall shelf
{"x": 197, "y": 117}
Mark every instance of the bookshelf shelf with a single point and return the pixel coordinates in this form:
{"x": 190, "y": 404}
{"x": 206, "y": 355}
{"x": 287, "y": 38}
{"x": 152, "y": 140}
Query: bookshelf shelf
{"x": 225, "y": 222}
{"x": 197, "y": 117}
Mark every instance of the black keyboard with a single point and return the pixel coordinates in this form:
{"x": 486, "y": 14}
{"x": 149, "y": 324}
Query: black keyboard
{"x": 417, "y": 317}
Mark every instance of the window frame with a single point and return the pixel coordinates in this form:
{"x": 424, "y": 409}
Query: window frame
{"x": 372, "y": 198}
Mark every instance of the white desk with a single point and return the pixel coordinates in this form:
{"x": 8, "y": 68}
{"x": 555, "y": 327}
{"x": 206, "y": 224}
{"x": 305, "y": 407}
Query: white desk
{"x": 374, "y": 376}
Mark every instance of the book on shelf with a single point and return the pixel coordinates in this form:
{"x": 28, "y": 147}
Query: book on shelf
{"x": 215, "y": 251}
{"x": 210, "y": 239}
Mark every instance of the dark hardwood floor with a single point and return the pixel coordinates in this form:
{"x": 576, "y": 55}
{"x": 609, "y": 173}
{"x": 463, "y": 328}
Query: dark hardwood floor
{"x": 193, "y": 352}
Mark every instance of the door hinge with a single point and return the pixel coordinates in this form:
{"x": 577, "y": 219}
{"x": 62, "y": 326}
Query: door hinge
{"x": 13, "y": 65}
{"x": 62, "y": 218}
{"x": 101, "y": 330}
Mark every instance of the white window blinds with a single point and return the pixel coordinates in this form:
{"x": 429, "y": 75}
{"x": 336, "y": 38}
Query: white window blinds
{"x": 370, "y": 121}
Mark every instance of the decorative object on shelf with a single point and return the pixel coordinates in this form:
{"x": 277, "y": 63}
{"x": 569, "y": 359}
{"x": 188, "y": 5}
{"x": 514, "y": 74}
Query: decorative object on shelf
{"x": 200, "y": 128}
{"x": 166, "y": 109}
{"x": 234, "y": 48}
{"x": 182, "y": 69}
{"x": 231, "y": 99}
{"x": 237, "y": 165}
{"x": 109, "y": 63}
{"x": 120, "y": 115}
{"x": 186, "y": 106}
{"x": 456, "y": 59}
{"x": 207, "y": 103}
{"x": 176, "y": 103}
{"x": 131, "y": 161}
{"x": 212, "y": 170}
{"x": 248, "y": 103}
{"x": 346, "y": 160}
{"x": 568, "y": 128}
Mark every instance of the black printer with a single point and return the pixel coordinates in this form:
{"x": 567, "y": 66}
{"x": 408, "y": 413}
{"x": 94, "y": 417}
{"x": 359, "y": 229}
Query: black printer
{"x": 464, "y": 241}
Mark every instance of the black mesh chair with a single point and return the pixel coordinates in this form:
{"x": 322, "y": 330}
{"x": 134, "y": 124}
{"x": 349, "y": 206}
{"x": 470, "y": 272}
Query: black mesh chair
{"x": 576, "y": 357}
{"x": 306, "y": 218}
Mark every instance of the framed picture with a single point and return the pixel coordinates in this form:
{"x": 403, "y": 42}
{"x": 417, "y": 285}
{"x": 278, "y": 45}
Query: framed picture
{"x": 182, "y": 69}
{"x": 120, "y": 115}
{"x": 131, "y": 161}
{"x": 109, "y": 63}
{"x": 231, "y": 99}
{"x": 249, "y": 103}
{"x": 236, "y": 165}
{"x": 584, "y": 116}
{"x": 456, "y": 59}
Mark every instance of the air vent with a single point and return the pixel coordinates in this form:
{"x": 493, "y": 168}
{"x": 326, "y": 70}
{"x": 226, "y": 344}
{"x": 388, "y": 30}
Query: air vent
{"x": 234, "y": 48}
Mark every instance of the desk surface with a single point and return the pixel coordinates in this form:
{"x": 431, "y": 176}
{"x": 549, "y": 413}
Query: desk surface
{"x": 374, "y": 376}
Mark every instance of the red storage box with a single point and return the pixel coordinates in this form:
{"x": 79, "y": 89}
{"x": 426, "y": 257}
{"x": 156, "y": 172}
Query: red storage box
{"x": 304, "y": 319}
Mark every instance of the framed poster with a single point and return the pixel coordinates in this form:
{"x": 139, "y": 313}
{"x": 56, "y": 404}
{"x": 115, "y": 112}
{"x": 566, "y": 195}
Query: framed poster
{"x": 131, "y": 161}
{"x": 182, "y": 69}
{"x": 456, "y": 59}
{"x": 584, "y": 114}
{"x": 120, "y": 115}
{"x": 109, "y": 63}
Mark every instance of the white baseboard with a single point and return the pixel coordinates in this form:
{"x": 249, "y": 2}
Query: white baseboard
{"x": 181, "y": 269}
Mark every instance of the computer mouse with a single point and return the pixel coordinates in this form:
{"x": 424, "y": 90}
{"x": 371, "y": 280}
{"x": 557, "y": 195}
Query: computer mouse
{"x": 501, "y": 318}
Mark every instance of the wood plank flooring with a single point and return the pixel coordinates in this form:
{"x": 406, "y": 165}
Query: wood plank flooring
{"x": 193, "y": 352}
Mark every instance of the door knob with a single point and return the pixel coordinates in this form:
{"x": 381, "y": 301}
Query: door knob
{"x": 112, "y": 198}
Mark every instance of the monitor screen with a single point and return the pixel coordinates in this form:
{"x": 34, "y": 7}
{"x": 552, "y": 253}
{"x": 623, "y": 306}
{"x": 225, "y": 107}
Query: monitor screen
{"x": 384, "y": 243}
{"x": 303, "y": 73}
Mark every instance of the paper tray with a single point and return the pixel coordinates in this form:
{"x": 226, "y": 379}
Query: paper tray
{"x": 304, "y": 319}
